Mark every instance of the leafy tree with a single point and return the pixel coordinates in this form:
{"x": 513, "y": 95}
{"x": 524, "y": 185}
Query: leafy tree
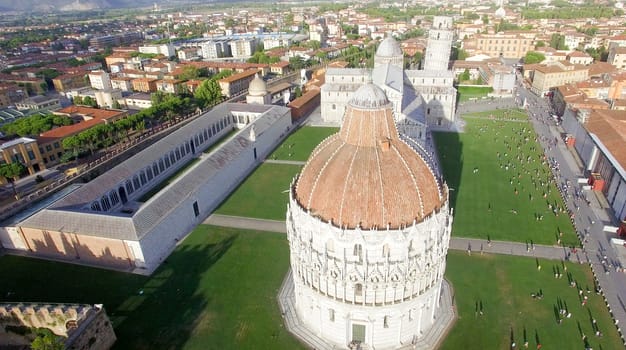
{"x": 465, "y": 76}
{"x": 533, "y": 57}
{"x": 540, "y": 44}
{"x": 11, "y": 171}
{"x": 35, "y": 124}
{"x": 296, "y": 63}
{"x": 557, "y": 41}
{"x": 208, "y": 92}
{"x": 89, "y": 101}
{"x": 297, "y": 91}
{"x": 73, "y": 144}
{"x": 46, "y": 340}
{"x": 322, "y": 56}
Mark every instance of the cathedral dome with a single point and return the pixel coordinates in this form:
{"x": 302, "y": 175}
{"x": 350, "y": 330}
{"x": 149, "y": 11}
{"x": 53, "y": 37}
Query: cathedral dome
{"x": 369, "y": 96}
{"x": 365, "y": 175}
{"x": 257, "y": 86}
{"x": 389, "y": 47}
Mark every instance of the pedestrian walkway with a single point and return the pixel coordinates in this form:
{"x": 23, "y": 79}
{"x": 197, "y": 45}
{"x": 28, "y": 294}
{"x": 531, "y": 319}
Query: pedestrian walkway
{"x": 456, "y": 243}
{"x": 280, "y": 161}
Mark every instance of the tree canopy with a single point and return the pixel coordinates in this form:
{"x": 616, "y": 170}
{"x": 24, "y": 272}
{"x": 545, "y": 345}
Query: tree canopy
{"x": 534, "y": 57}
{"x": 35, "y": 124}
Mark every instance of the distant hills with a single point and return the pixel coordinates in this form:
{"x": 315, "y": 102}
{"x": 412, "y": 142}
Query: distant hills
{"x": 79, "y": 5}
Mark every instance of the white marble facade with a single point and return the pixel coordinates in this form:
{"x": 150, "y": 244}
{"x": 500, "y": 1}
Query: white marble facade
{"x": 378, "y": 287}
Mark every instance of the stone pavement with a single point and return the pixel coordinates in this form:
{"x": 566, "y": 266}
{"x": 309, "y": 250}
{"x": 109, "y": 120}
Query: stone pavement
{"x": 279, "y": 161}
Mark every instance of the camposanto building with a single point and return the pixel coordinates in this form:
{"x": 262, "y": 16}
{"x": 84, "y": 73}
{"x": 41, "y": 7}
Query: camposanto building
{"x": 128, "y": 218}
{"x": 368, "y": 226}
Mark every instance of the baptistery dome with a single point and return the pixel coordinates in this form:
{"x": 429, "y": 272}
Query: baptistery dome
{"x": 366, "y": 176}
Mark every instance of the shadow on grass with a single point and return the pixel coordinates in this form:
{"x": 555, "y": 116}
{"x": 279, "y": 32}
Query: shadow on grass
{"x": 170, "y": 307}
{"x": 450, "y": 150}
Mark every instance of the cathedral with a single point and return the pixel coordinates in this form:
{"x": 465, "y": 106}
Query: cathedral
{"x": 420, "y": 98}
{"x": 368, "y": 225}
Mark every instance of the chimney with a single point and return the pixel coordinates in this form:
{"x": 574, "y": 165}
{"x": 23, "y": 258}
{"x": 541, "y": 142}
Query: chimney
{"x": 385, "y": 144}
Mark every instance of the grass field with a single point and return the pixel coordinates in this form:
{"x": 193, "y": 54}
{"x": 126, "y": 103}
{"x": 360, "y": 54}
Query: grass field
{"x": 262, "y": 195}
{"x": 500, "y": 186}
{"x": 216, "y": 291}
{"x": 300, "y": 144}
{"x": 503, "y": 285}
{"x": 473, "y": 92}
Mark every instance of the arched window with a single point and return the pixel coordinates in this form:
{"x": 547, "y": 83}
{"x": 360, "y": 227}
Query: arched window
{"x": 177, "y": 154}
{"x": 96, "y": 206}
{"x": 136, "y": 182}
{"x": 386, "y": 250}
{"x": 129, "y": 187}
{"x": 167, "y": 162}
{"x": 161, "y": 165}
{"x": 358, "y": 251}
{"x": 149, "y": 173}
{"x": 114, "y": 197}
{"x": 172, "y": 157}
{"x": 142, "y": 177}
{"x": 106, "y": 204}
{"x": 358, "y": 290}
{"x": 187, "y": 148}
{"x": 155, "y": 169}
{"x": 206, "y": 135}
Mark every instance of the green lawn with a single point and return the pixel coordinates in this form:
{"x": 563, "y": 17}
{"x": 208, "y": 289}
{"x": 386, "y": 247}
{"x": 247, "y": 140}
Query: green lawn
{"x": 513, "y": 113}
{"x": 484, "y": 191}
{"x": 216, "y": 291}
{"x": 473, "y": 92}
{"x": 503, "y": 285}
{"x": 299, "y": 145}
{"x": 263, "y": 194}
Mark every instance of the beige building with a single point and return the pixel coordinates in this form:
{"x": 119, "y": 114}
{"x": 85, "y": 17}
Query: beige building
{"x": 23, "y": 150}
{"x": 513, "y": 45}
{"x": 553, "y": 74}
{"x": 237, "y": 83}
{"x": 617, "y": 57}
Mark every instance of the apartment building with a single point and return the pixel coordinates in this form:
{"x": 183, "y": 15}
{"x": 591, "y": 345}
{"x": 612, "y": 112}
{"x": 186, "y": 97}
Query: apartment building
{"x": 100, "y": 80}
{"x": 242, "y": 48}
{"x": 144, "y": 84}
{"x": 67, "y": 82}
{"x": 617, "y": 57}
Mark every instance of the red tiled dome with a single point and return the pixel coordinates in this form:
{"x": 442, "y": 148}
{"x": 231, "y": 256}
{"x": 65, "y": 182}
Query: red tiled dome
{"x": 365, "y": 175}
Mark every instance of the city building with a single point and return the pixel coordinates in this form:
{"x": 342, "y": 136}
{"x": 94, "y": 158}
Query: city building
{"x": 108, "y": 98}
{"x": 599, "y": 138}
{"x": 367, "y": 266}
{"x": 138, "y": 101}
{"x": 617, "y": 57}
{"x": 22, "y": 150}
{"x": 121, "y": 221}
{"x": 553, "y": 74}
{"x": 85, "y": 327}
{"x": 242, "y": 48}
{"x": 38, "y": 103}
{"x": 67, "y": 82}
{"x": 51, "y": 141}
{"x": 166, "y": 50}
{"x": 144, "y": 84}
{"x": 100, "y": 80}
{"x": 507, "y": 44}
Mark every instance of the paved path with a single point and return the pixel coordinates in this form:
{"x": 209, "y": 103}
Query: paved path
{"x": 290, "y": 162}
{"x": 474, "y": 245}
